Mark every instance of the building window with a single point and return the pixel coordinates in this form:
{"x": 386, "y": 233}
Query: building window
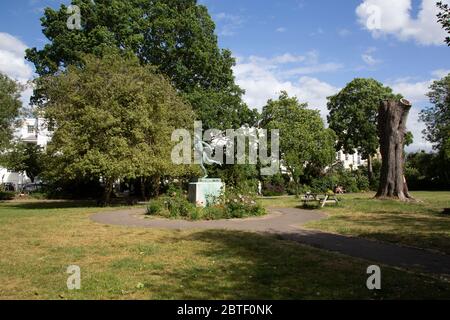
{"x": 346, "y": 157}
{"x": 30, "y": 129}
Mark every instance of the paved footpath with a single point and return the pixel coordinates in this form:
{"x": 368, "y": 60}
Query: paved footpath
{"x": 286, "y": 223}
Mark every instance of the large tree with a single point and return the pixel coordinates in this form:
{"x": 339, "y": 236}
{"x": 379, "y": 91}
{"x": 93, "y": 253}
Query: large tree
{"x": 9, "y": 108}
{"x": 114, "y": 120}
{"x": 353, "y": 116}
{"x": 444, "y": 18}
{"x": 304, "y": 140}
{"x": 176, "y": 36}
{"x": 437, "y": 117}
{"x": 392, "y": 118}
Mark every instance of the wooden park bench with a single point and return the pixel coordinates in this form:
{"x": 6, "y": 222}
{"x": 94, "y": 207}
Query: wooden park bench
{"x": 321, "y": 199}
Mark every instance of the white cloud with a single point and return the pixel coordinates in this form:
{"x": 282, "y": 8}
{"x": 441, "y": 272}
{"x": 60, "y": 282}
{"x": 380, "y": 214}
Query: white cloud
{"x": 263, "y": 81}
{"x": 13, "y": 64}
{"x": 416, "y": 93}
{"x": 387, "y": 17}
{"x": 344, "y": 32}
{"x": 281, "y": 29}
{"x": 228, "y": 23}
{"x": 12, "y": 61}
{"x": 369, "y": 59}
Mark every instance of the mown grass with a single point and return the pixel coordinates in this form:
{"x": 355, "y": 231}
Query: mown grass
{"x": 38, "y": 241}
{"x": 420, "y": 224}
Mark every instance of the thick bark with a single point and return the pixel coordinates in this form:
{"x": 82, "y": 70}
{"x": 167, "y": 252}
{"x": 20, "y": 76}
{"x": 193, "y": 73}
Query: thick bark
{"x": 143, "y": 190}
{"x": 369, "y": 168}
{"x": 157, "y": 184}
{"x": 109, "y": 184}
{"x": 392, "y": 130}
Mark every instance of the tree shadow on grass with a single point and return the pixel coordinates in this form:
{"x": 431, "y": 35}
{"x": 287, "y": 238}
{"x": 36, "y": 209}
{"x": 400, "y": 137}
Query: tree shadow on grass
{"x": 254, "y": 266}
{"x": 60, "y": 204}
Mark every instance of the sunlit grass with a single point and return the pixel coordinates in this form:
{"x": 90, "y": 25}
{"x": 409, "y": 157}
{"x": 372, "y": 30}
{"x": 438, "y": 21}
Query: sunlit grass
{"x": 38, "y": 241}
{"x": 419, "y": 224}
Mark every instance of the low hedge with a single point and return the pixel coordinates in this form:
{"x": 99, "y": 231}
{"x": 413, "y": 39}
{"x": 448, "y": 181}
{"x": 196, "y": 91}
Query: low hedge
{"x": 7, "y": 195}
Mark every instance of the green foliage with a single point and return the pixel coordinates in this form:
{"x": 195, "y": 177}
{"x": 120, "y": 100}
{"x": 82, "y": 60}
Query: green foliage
{"x": 232, "y": 204}
{"x": 240, "y": 205}
{"x": 154, "y": 208}
{"x": 9, "y": 108}
{"x": 427, "y": 171}
{"x": 305, "y": 143}
{"x": 25, "y": 157}
{"x": 274, "y": 186}
{"x": 7, "y": 195}
{"x": 352, "y": 181}
{"x": 176, "y": 36}
{"x": 354, "y": 115}
{"x": 444, "y": 18}
{"x": 437, "y": 118}
{"x": 114, "y": 120}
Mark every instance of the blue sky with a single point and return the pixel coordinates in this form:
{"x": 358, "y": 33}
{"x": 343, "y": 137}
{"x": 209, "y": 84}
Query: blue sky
{"x": 311, "y": 48}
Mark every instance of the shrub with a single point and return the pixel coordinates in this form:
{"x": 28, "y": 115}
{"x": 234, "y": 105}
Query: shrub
{"x": 179, "y": 206}
{"x": 7, "y": 195}
{"x": 238, "y": 205}
{"x": 155, "y": 207}
{"x": 213, "y": 213}
{"x": 271, "y": 190}
{"x": 229, "y": 205}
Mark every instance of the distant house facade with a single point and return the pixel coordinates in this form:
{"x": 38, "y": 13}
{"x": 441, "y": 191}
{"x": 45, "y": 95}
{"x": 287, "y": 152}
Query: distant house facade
{"x": 353, "y": 161}
{"x": 31, "y": 130}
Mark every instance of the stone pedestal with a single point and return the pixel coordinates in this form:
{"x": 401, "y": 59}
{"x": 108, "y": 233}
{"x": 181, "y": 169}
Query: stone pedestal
{"x": 203, "y": 190}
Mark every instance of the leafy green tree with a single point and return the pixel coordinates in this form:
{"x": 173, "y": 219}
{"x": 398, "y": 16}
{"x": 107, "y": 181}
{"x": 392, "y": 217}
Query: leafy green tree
{"x": 304, "y": 140}
{"x": 9, "y": 108}
{"x": 444, "y": 18}
{"x": 437, "y": 117}
{"x": 25, "y": 157}
{"x": 114, "y": 119}
{"x": 354, "y": 116}
{"x": 176, "y": 36}
{"x": 427, "y": 171}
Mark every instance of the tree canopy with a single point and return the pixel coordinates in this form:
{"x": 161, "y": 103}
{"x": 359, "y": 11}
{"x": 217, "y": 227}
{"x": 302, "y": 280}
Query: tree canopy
{"x": 353, "y": 115}
{"x": 437, "y": 117}
{"x": 9, "y": 108}
{"x": 176, "y": 36}
{"x": 114, "y": 120}
{"x": 444, "y": 18}
{"x": 25, "y": 158}
{"x": 304, "y": 140}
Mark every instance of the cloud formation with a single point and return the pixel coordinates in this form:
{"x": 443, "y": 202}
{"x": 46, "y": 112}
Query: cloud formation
{"x": 415, "y": 91}
{"x": 12, "y": 61}
{"x": 13, "y": 64}
{"x": 264, "y": 78}
{"x": 388, "y": 17}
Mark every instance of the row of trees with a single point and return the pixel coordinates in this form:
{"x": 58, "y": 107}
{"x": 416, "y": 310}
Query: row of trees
{"x": 139, "y": 69}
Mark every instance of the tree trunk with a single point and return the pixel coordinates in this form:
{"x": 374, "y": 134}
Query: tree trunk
{"x": 369, "y": 168}
{"x": 392, "y": 130}
{"x": 143, "y": 191}
{"x": 109, "y": 184}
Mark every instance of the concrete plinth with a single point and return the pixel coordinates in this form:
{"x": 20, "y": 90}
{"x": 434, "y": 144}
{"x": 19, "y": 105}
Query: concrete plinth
{"x": 203, "y": 190}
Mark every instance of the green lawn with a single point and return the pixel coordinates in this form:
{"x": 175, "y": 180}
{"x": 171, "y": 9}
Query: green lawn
{"x": 39, "y": 240}
{"x": 419, "y": 224}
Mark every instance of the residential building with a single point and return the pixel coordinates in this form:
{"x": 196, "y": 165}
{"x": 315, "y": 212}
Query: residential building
{"x": 31, "y": 130}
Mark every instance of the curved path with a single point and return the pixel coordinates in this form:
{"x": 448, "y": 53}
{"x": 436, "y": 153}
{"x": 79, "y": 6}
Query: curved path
{"x": 286, "y": 223}
{"x": 279, "y": 220}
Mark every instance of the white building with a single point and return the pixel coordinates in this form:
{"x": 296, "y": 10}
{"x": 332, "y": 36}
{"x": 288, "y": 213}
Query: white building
{"x": 33, "y": 131}
{"x": 354, "y": 161}
{"x": 351, "y": 161}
